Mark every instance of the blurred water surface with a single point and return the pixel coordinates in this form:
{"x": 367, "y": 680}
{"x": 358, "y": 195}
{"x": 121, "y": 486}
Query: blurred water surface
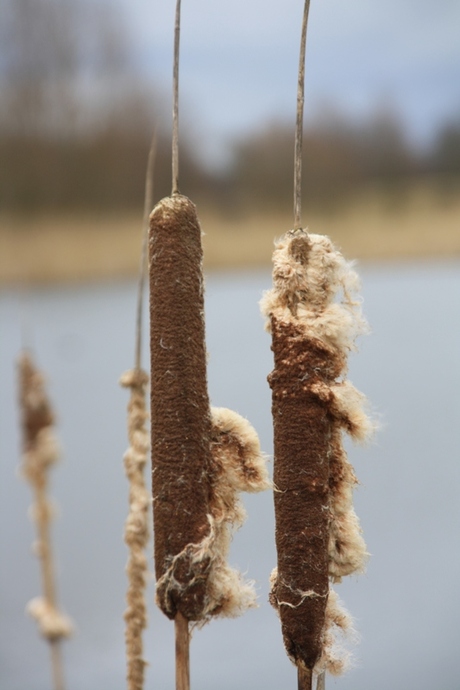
{"x": 406, "y": 606}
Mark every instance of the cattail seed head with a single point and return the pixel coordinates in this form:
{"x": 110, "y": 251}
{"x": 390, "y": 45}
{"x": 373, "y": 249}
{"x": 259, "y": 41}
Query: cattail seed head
{"x": 314, "y": 319}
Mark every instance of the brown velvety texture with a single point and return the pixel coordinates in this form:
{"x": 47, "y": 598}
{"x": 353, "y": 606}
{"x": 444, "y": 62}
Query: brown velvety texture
{"x": 302, "y": 435}
{"x": 180, "y": 415}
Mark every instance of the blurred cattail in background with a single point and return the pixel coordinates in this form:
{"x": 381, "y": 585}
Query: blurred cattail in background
{"x": 40, "y": 453}
{"x": 137, "y": 524}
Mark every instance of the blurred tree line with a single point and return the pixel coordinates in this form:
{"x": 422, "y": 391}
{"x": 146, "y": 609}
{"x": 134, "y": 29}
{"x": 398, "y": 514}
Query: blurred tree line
{"x": 343, "y": 158}
{"x": 76, "y": 120}
{"x": 76, "y": 123}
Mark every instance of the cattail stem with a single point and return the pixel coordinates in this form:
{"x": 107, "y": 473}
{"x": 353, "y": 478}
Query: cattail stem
{"x": 148, "y": 202}
{"x": 57, "y": 666}
{"x": 304, "y": 678}
{"x": 175, "y": 132}
{"x": 321, "y": 682}
{"x": 182, "y": 652}
{"x": 42, "y": 509}
{"x": 299, "y": 122}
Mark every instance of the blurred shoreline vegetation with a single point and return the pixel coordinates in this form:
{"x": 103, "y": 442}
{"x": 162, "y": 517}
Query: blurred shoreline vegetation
{"x": 76, "y": 120}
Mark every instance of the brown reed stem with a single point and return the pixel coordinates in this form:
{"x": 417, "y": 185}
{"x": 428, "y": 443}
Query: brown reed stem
{"x": 175, "y": 132}
{"x": 182, "y": 652}
{"x": 304, "y": 678}
{"x": 299, "y": 122}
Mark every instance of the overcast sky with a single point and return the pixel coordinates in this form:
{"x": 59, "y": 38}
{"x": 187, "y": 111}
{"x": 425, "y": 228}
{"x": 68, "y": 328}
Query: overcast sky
{"x": 239, "y": 59}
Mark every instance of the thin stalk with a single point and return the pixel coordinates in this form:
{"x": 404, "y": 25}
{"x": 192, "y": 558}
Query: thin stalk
{"x": 299, "y": 122}
{"x": 46, "y": 558}
{"x": 182, "y": 652}
{"x": 48, "y": 583}
{"x": 180, "y": 622}
{"x": 304, "y": 678}
{"x": 175, "y": 132}
{"x": 148, "y": 202}
{"x": 136, "y": 526}
{"x": 57, "y": 665}
{"x": 321, "y": 682}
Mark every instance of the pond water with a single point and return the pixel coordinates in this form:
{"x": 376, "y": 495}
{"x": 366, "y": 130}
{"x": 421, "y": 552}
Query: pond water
{"x": 407, "y": 604}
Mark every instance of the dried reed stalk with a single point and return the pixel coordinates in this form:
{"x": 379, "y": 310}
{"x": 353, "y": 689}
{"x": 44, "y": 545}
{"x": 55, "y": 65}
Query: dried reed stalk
{"x": 40, "y": 452}
{"x": 136, "y": 527}
{"x": 318, "y": 537}
{"x": 135, "y": 458}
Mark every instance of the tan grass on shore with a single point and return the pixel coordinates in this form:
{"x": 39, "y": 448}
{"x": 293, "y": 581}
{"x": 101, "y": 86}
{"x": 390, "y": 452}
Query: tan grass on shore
{"x": 72, "y": 247}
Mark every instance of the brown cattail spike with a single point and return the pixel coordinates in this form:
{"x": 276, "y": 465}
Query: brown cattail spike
{"x": 201, "y": 458}
{"x": 302, "y": 431}
{"x": 314, "y": 321}
{"x": 180, "y": 414}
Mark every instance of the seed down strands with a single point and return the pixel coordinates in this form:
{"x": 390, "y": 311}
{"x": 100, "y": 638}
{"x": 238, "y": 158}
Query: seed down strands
{"x": 40, "y": 452}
